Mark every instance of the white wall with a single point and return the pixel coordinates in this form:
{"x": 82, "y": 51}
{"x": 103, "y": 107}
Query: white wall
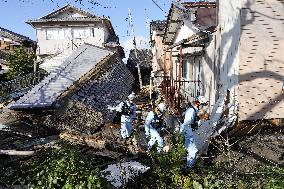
{"x": 229, "y": 18}
{"x": 54, "y": 46}
{"x": 187, "y": 30}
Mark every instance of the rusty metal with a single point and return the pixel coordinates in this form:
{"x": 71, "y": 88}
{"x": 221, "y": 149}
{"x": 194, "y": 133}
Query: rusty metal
{"x": 171, "y": 75}
{"x": 179, "y": 76}
{"x": 190, "y": 81}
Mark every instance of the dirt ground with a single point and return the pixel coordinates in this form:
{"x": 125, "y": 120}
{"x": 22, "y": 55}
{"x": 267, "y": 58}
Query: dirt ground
{"x": 246, "y": 153}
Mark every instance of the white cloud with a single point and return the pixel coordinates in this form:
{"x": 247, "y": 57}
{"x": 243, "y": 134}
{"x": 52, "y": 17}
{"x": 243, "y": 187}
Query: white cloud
{"x": 141, "y": 43}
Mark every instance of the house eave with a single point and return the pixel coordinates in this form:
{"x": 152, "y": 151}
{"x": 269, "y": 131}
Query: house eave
{"x": 56, "y": 12}
{"x": 80, "y": 19}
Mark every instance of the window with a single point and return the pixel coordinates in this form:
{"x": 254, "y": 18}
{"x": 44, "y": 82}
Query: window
{"x": 186, "y": 67}
{"x": 55, "y": 33}
{"x": 185, "y": 63}
{"x": 82, "y": 33}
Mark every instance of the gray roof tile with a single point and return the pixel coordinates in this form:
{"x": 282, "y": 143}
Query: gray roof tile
{"x": 76, "y": 66}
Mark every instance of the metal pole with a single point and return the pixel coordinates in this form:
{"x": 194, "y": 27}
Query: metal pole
{"x": 165, "y": 62}
{"x": 151, "y": 84}
{"x": 179, "y": 77}
{"x": 135, "y": 49}
{"x": 35, "y": 72}
{"x": 171, "y": 74}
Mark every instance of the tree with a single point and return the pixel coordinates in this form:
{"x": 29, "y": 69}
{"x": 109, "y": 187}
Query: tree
{"x": 20, "y": 63}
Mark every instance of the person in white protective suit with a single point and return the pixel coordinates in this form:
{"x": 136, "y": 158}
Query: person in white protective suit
{"x": 128, "y": 114}
{"x": 190, "y": 123}
{"x": 153, "y": 126}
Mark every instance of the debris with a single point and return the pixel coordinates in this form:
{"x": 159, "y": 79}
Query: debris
{"x": 17, "y": 153}
{"x": 97, "y": 143}
{"x": 108, "y": 153}
{"x": 49, "y": 141}
{"x": 120, "y": 173}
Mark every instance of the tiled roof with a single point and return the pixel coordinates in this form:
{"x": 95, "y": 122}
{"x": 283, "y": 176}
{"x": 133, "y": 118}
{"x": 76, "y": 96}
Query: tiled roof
{"x": 200, "y": 4}
{"x": 66, "y": 7}
{"x": 159, "y": 25}
{"x": 54, "y": 62}
{"x": 58, "y": 81}
{"x": 72, "y": 19}
{"x": 144, "y": 58}
{"x": 12, "y": 35}
{"x": 114, "y": 85}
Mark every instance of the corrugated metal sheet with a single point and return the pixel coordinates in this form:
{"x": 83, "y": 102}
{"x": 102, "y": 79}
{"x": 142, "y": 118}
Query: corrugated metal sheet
{"x": 261, "y": 60}
{"x": 47, "y": 91}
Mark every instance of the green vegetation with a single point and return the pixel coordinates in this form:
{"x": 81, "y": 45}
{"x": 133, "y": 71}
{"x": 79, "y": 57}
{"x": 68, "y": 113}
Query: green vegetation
{"x": 168, "y": 172}
{"x": 20, "y": 63}
{"x": 69, "y": 168}
{"x": 66, "y": 168}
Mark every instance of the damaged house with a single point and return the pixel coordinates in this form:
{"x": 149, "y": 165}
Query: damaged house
{"x": 157, "y": 30}
{"x": 82, "y": 82}
{"x": 230, "y": 53}
{"x": 190, "y": 41}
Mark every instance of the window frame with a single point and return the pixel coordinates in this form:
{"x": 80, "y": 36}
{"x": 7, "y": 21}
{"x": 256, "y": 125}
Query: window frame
{"x": 90, "y": 31}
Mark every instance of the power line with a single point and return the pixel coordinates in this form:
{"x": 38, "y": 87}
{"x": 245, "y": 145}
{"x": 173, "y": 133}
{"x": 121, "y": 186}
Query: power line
{"x": 159, "y": 6}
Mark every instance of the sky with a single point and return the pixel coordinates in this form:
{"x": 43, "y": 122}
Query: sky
{"x": 16, "y": 12}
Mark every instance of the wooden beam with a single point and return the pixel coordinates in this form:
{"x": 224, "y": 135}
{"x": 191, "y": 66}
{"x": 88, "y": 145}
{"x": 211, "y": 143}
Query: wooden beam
{"x": 176, "y": 21}
{"x": 17, "y": 153}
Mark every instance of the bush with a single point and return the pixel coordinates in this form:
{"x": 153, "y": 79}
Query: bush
{"x": 167, "y": 170}
{"x": 20, "y": 63}
{"x": 66, "y": 168}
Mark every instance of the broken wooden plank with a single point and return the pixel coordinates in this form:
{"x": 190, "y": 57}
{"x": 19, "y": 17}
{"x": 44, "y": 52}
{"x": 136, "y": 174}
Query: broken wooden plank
{"x": 16, "y": 153}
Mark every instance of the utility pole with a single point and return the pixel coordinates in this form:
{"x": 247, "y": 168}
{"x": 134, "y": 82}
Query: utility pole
{"x": 135, "y": 48}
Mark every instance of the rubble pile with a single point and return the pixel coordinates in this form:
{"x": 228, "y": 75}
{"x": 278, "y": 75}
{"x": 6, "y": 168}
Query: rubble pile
{"x": 77, "y": 118}
{"x": 87, "y": 108}
{"x": 113, "y": 86}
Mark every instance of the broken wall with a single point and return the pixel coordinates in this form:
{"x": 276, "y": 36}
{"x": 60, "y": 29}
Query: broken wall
{"x": 158, "y": 52}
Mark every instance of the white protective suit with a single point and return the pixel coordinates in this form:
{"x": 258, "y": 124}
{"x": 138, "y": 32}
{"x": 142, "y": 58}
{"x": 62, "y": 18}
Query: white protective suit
{"x": 186, "y": 130}
{"x": 126, "y": 120}
{"x": 153, "y": 133}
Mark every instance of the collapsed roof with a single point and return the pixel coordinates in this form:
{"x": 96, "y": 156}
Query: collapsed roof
{"x": 158, "y": 25}
{"x": 81, "y": 63}
{"x": 203, "y": 15}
